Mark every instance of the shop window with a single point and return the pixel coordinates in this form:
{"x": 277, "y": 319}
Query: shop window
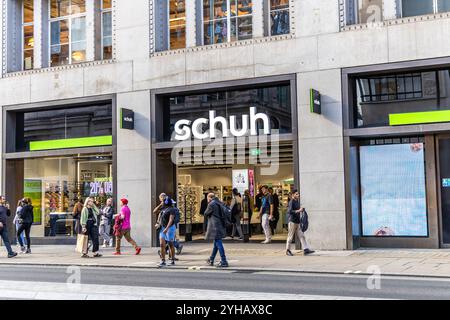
{"x": 377, "y": 97}
{"x": 277, "y": 17}
{"x": 226, "y": 21}
{"x": 28, "y": 34}
{"x": 68, "y": 32}
{"x": 63, "y": 128}
{"x": 177, "y": 24}
{"x": 107, "y": 46}
{"x": 393, "y": 190}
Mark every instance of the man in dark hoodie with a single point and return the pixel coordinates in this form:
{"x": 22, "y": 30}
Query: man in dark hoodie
{"x": 4, "y": 214}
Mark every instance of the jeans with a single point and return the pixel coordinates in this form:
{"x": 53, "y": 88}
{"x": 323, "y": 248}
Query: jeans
{"x": 266, "y": 226}
{"x": 92, "y": 232}
{"x": 22, "y": 236}
{"x": 295, "y": 230}
{"x": 24, "y": 227}
{"x": 105, "y": 228}
{"x": 237, "y": 226}
{"x": 218, "y": 247}
{"x": 5, "y": 239}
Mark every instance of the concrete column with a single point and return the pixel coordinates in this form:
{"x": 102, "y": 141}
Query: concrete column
{"x": 258, "y": 18}
{"x": 90, "y": 29}
{"x": 191, "y": 25}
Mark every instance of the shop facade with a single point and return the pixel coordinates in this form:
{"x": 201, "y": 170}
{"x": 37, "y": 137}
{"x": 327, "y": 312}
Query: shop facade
{"x": 397, "y": 149}
{"x": 58, "y": 154}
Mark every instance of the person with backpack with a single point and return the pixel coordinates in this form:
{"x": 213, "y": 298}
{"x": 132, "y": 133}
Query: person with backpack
{"x": 219, "y": 217}
{"x": 298, "y": 224}
{"x": 122, "y": 228}
{"x": 236, "y": 212}
{"x": 5, "y": 212}
{"x": 168, "y": 231}
{"x": 25, "y": 218}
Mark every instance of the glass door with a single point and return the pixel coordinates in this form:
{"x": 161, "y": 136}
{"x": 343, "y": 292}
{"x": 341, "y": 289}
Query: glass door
{"x": 444, "y": 186}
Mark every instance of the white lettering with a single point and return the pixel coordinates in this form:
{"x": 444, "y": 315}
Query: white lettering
{"x": 233, "y": 126}
{"x": 182, "y": 130}
{"x": 213, "y": 120}
{"x": 254, "y": 117}
{"x": 197, "y": 130}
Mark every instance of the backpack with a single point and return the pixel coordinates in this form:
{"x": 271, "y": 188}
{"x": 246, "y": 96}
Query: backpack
{"x": 304, "y": 223}
{"x": 176, "y": 221}
{"x": 226, "y": 214}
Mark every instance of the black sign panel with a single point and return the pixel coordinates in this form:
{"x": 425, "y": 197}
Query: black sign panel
{"x": 126, "y": 119}
{"x": 316, "y": 102}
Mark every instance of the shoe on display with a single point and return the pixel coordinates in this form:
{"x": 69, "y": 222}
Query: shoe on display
{"x": 14, "y": 254}
{"x": 289, "y": 253}
{"x": 307, "y": 251}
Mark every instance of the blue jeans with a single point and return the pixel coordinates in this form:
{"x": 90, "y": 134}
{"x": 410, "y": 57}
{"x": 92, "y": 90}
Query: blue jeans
{"x": 5, "y": 239}
{"x": 218, "y": 246}
{"x": 22, "y": 235}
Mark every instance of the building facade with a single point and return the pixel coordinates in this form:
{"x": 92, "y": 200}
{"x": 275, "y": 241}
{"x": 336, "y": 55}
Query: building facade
{"x": 371, "y": 166}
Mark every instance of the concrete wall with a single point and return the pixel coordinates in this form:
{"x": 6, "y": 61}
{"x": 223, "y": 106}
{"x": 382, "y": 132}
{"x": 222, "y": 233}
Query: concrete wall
{"x": 315, "y": 52}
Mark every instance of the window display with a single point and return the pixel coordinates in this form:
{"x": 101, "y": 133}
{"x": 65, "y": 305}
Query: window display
{"x": 393, "y": 196}
{"x": 279, "y": 17}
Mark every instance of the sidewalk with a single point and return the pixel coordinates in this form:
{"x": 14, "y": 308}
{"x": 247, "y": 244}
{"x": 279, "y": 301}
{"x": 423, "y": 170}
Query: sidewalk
{"x": 256, "y": 257}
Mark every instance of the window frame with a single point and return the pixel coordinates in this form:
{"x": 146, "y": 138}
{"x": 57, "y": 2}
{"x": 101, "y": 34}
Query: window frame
{"x": 22, "y": 38}
{"x": 103, "y": 11}
{"x": 269, "y": 18}
{"x": 70, "y": 19}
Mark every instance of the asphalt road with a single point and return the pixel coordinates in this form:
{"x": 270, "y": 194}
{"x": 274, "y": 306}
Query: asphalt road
{"x": 289, "y": 283}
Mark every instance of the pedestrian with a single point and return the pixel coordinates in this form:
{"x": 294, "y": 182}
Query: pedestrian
{"x": 203, "y": 206}
{"x": 216, "y": 230}
{"x": 168, "y": 231}
{"x": 276, "y": 213}
{"x": 16, "y": 222}
{"x": 25, "y": 219}
{"x": 124, "y": 218}
{"x": 266, "y": 213}
{"x": 247, "y": 204}
{"x": 157, "y": 212}
{"x": 90, "y": 216}
{"x": 5, "y": 212}
{"x": 295, "y": 230}
{"x": 107, "y": 214}
{"x": 78, "y": 207}
{"x": 236, "y": 213}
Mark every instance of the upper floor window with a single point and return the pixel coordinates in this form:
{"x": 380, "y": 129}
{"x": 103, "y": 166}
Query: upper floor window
{"x": 68, "y": 32}
{"x": 28, "y": 34}
{"x": 177, "y": 24}
{"x": 278, "y": 17}
{"x": 369, "y": 11}
{"x": 106, "y": 29}
{"x": 227, "y": 20}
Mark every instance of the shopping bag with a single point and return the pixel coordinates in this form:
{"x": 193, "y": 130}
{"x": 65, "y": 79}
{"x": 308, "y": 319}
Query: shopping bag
{"x": 82, "y": 243}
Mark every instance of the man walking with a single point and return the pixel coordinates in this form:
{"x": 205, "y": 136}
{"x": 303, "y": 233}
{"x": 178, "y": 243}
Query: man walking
{"x": 5, "y": 212}
{"x": 124, "y": 218}
{"x": 216, "y": 229}
{"x": 295, "y": 229}
{"x": 266, "y": 213}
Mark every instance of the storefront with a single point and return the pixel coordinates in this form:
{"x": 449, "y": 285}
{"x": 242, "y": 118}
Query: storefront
{"x": 216, "y": 137}
{"x": 57, "y": 155}
{"x": 397, "y": 154}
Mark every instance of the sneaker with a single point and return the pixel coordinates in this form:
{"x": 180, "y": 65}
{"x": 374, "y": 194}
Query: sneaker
{"x": 162, "y": 264}
{"x": 307, "y": 251}
{"x": 222, "y": 264}
{"x": 111, "y": 242}
{"x": 98, "y": 255}
{"x": 23, "y": 250}
{"x": 180, "y": 248}
{"x": 172, "y": 262}
{"x": 116, "y": 253}
{"x": 266, "y": 241}
{"x": 138, "y": 250}
{"x": 85, "y": 255}
{"x": 104, "y": 245}
{"x": 289, "y": 253}
{"x": 14, "y": 254}
{"x": 209, "y": 262}
{"x": 28, "y": 251}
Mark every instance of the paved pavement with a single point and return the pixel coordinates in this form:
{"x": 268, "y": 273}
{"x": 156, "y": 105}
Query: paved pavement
{"x": 258, "y": 257}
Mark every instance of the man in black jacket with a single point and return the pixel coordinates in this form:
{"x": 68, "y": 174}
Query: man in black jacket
{"x": 216, "y": 229}
{"x": 4, "y": 214}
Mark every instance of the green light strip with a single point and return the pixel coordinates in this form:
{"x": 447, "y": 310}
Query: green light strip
{"x": 398, "y": 119}
{"x": 311, "y": 101}
{"x": 71, "y": 143}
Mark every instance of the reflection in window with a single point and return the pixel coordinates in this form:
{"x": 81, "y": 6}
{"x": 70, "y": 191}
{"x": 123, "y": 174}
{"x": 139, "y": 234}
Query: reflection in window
{"x": 106, "y": 30}
{"x": 68, "y": 32}
{"x": 177, "y": 24}
{"x": 417, "y": 7}
{"x": 28, "y": 34}
{"x": 279, "y": 17}
{"x": 227, "y": 20}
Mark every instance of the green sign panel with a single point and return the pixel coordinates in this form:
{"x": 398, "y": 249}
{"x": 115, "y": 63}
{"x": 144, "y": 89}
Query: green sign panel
{"x": 33, "y": 190}
{"x": 71, "y": 143}
{"x": 399, "y": 119}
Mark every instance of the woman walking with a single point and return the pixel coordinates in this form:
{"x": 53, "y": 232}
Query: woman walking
{"x": 168, "y": 231}
{"x": 16, "y": 220}
{"x": 77, "y": 215}
{"x": 89, "y": 223}
{"x": 25, "y": 219}
{"x": 124, "y": 220}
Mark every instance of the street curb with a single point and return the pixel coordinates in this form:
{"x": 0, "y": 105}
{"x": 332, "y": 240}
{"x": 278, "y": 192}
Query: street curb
{"x": 232, "y": 269}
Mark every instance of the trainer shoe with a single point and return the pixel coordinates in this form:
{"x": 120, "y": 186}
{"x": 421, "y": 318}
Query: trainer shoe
{"x": 162, "y": 264}
{"x": 14, "y": 254}
{"x": 222, "y": 264}
{"x": 138, "y": 250}
{"x": 209, "y": 262}
{"x": 289, "y": 253}
{"x": 116, "y": 253}
{"x": 307, "y": 251}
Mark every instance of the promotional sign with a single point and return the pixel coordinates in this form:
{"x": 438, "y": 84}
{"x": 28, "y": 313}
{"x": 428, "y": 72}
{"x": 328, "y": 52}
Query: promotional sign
{"x": 393, "y": 195}
{"x": 33, "y": 190}
{"x": 98, "y": 188}
{"x": 126, "y": 119}
{"x": 240, "y": 180}
{"x": 316, "y": 102}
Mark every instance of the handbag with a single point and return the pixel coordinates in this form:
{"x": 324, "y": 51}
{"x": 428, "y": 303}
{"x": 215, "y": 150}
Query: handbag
{"x": 82, "y": 243}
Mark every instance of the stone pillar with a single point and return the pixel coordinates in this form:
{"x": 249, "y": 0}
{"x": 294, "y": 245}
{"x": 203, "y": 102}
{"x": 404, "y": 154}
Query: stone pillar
{"x": 258, "y": 18}
{"x": 191, "y": 25}
{"x": 90, "y": 29}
